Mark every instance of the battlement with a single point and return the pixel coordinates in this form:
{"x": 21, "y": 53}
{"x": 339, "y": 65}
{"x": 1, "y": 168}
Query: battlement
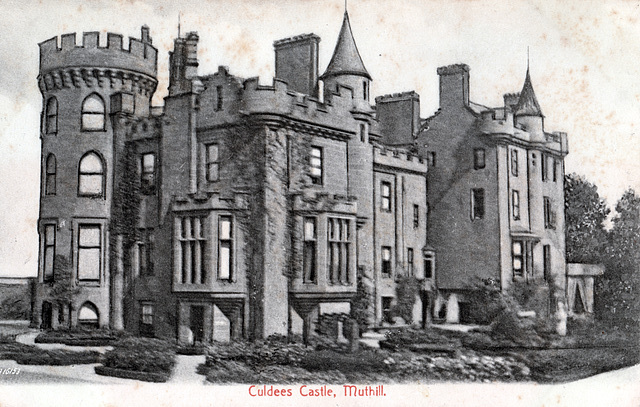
{"x": 453, "y": 69}
{"x": 398, "y": 158}
{"x": 393, "y": 97}
{"x": 140, "y": 56}
{"x": 296, "y": 39}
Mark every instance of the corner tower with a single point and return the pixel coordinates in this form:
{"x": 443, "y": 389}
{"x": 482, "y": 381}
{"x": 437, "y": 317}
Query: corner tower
{"x": 346, "y": 68}
{"x": 81, "y": 85}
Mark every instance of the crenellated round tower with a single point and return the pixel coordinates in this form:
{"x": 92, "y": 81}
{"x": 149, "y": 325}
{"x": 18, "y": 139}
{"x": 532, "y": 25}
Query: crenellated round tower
{"x": 81, "y": 85}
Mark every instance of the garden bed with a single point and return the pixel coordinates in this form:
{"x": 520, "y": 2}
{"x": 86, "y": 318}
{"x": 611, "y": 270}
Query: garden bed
{"x": 32, "y": 355}
{"x": 79, "y": 337}
{"x": 159, "y": 377}
{"x": 140, "y": 359}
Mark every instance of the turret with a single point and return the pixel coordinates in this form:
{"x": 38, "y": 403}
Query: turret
{"x": 527, "y": 112}
{"x": 83, "y": 86}
{"x": 346, "y": 68}
{"x": 183, "y": 64}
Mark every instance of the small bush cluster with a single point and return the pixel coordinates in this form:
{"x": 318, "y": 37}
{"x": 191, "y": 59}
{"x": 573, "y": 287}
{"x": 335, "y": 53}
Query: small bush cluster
{"x": 141, "y": 355}
{"x": 403, "y": 337}
{"x": 55, "y": 357}
{"x": 273, "y": 351}
{"x": 80, "y": 337}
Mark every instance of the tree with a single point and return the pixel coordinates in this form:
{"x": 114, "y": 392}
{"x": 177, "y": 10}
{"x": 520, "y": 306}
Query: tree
{"x": 585, "y": 213}
{"x": 64, "y": 289}
{"x": 407, "y": 290}
{"x": 618, "y": 291}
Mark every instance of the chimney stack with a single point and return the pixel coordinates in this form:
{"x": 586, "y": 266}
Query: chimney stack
{"x": 454, "y": 85}
{"x": 297, "y": 62}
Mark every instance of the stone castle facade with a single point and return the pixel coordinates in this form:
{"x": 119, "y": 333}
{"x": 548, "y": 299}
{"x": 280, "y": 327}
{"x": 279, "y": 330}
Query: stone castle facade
{"x": 242, "y": 210}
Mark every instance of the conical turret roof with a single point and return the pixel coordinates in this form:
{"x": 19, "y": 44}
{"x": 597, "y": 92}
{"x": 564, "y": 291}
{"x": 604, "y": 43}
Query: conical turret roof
{"x": 528, "y": 103}
{"x": 346, "y": 59}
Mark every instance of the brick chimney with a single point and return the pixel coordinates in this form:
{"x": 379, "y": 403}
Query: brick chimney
{"x": 297, "y": 62}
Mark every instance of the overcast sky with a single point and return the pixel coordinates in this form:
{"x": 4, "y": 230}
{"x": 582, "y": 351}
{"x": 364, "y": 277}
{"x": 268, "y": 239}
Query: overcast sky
{"x": 585, "y": 69}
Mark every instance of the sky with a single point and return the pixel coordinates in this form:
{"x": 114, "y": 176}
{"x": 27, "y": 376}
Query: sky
{"x": 584, "y": 58}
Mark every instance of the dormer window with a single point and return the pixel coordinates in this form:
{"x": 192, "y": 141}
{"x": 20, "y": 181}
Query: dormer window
{"x": 93, "y": 113}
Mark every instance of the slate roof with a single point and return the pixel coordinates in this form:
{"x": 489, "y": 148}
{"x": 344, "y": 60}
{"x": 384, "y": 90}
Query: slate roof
{"x": 346, "y": 59}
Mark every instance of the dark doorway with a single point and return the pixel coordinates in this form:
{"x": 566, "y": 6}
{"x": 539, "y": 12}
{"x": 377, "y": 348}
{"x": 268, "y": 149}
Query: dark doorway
{"x": 578, "y": 305}
{"x": 47, "y": 311}
{"x": 386, "y": 309}
{"x": 196, "y": 323}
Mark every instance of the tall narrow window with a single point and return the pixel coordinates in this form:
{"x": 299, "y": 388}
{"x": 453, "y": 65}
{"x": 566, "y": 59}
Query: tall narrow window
{"x": 338, "y": 239}
{"x": 556, "y": 165}
{"x": 212, "y": 163}
{"x": 477, "y": 203}
{"x": 220, "y": 98}
{"x": 410, "y": 267}
{"x": 315, "y": 166}
{"x": 309, "y": 251}
{"x": 49, "y": 252}
{"x": 385, "y": 195}
{"x": 429, "y": 263}
{"x": 543, "y": 166}
{"x": 517, "y": 251}
{"x": 146, "y": 252}
{"x": 363, "y": 133}
{"x": 50, "y": 175}
{"x": 431, "y": 158}
{"x": 148, "y": 173}
{"x": 549, "y": 215}
{"x": 225, "y": 248}
{"x": 89, "y": 252}
{"x": 192, "y": 237}
{"x": 365, "y": 90}
{"x": 478, "y": 158}
{"x": 514, "y": 162}
{"x": 416, "y": 216}
{"x": 546, "y": 254}
{"x": 93, "y": 113}
{"x": 386, "y": 261}
{"x": 515, "y": 204}
{"x": 91, "y": 176}
{"x": 51, "y": 124}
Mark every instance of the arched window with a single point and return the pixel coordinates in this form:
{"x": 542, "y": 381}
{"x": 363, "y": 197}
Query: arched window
{"x": 88, "y": 315}
{"x": 93, "y": 113}
{"x": 50, "y": 175}
{"x": 91, "y": 175}
{"x": 51, "y": 116}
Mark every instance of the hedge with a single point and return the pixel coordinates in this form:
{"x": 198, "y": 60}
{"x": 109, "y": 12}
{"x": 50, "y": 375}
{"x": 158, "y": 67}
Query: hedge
{"x": 141, "y": 355}
{"x": 158, "y": 377}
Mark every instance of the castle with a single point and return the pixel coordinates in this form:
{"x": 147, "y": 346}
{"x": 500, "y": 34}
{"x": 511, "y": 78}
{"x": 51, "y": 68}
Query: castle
{"x": 238, "y": 210}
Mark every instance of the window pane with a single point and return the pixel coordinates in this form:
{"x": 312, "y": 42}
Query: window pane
{"x": 89, "y": 236}
{"x": 148, "y": 162}
{"x": 50, "y": 234}
{"x": 225, "y": 228}
{"x": 225, "y": 260}
{"x": 212, "y": 172}
{"x": 212, "y": 153}
{"x": 517, "y": 249}
{"x": 48, "y": 261}
{"x": 316, "y": 152}
{"x": 309, "y": 229}
{"x": 386, "y": 254}
{"x": 317, "y": 172}
{"x": 89, "y": 264}
{"x": 91, "y": 184}
{"x": 386, "y": 190}
{"x": 93, "y": 104}
{"x": 91, "y": 163}
{"x": 517, "y": 264}
{"x": 92, "y": 121}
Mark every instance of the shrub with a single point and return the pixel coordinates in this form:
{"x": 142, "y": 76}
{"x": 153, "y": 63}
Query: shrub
{"x": 142, "y": 355}
{"x": 56, "y": 357}
{"x": 407, "y": 289}
{"x": 273, "y": 351}
{"x": 80, "y": 337}
{"x": 403, "y": 337}
{"x": 325, "y": 360}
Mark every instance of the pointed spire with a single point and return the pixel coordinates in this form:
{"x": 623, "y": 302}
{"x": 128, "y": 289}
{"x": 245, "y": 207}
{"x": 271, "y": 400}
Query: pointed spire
{"x": 346, "y": 59}
{"x": 528, "y": 103}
